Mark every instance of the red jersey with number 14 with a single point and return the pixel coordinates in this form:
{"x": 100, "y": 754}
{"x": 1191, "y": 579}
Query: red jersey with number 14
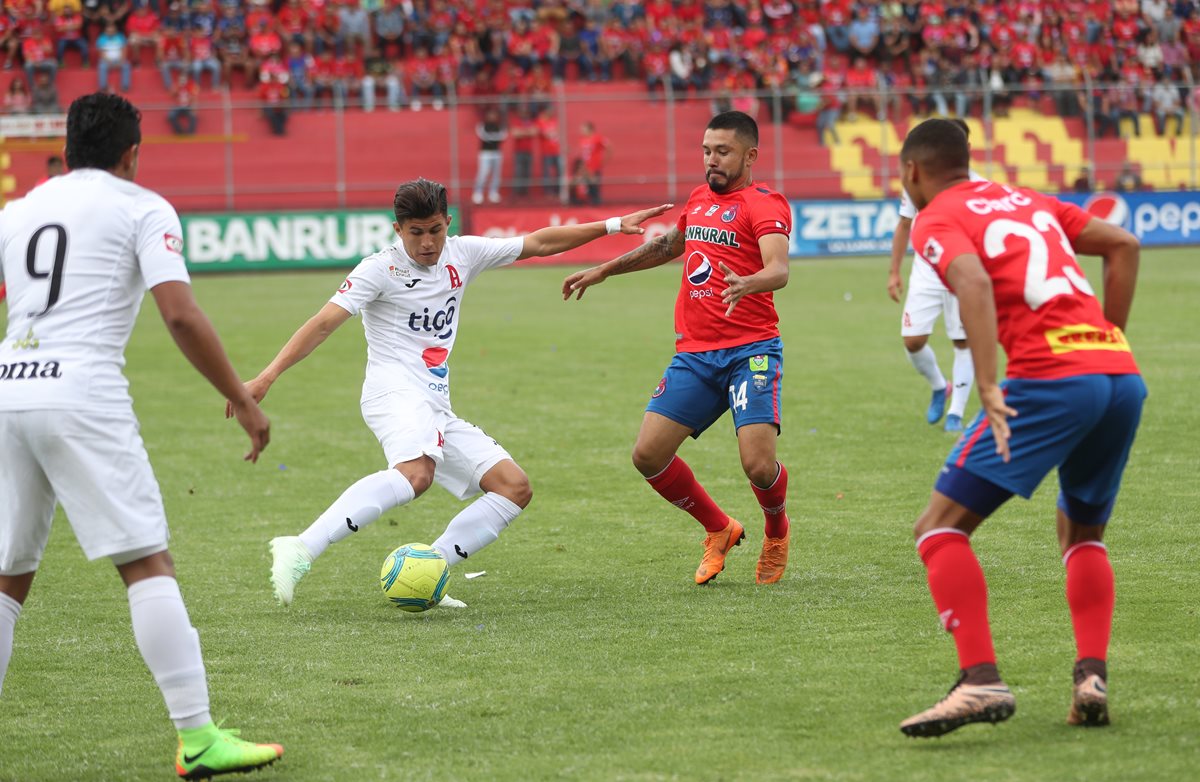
{"x": 1049, "y": 320}
{"x": 725, "y": 228}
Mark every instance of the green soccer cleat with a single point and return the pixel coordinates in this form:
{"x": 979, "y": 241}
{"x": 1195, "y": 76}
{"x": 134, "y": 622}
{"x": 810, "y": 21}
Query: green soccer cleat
{"x": 208, "y": 751}
{"x": 290, "y": 561}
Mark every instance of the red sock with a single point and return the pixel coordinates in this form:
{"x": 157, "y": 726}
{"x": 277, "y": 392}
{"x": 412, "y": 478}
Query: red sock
{"x": 773, "y": 501}
{"x": 959, "y": 592}
{"x": 679, "y": 486}
{"x": 1090, "y": 595}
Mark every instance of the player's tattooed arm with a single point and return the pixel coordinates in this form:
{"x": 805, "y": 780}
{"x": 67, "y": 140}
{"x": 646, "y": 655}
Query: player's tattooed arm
{"x": 653, "y": 253}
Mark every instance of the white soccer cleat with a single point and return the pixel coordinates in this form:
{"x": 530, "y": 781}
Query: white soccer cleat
{"x": 290, "y": 560}
{"x": 449, "y": 602}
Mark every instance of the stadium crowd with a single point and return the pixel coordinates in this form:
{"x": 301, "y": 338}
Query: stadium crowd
{"x": 829, "y": 58}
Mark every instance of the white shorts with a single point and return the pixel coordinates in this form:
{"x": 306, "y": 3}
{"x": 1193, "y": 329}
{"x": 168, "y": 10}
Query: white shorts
{"x": 922, "y": 307}
{"x": 409, "y": 427}
{"x": 95, "y": 464}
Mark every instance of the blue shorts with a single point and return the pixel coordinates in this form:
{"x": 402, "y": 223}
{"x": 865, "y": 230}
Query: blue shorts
{"x": 1082, "y": 425}
{"x": 698, "y": 388}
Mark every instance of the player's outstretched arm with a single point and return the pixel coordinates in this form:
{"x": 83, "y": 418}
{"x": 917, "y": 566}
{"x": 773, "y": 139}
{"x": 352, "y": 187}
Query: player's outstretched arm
{"x": 560, "y": 238}
{"x": 198, "y": 341}
{"x": 1121, "y": 252}
{"x": 774, "y": 274}
{"x": 899, "y": 248}
{"x": 653, "y": 253}
{"x": 977, "y": 307}
{"x": 306, "y": 339}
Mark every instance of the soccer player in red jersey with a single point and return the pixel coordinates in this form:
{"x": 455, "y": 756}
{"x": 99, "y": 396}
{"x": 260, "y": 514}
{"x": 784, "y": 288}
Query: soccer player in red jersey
{"x": 733, "y": 234}
{"x": 1072, "y": 400}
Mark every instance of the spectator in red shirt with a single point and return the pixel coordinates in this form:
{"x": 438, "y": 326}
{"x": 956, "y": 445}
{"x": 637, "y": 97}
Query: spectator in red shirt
{"x": 327, "y": 33}
{"x": 273, "y": 91}
{"x": 68, "y": 27}
{"x": 203, "y": 57}
{"x": 295, "y": 24}
{"x": 182, "y": 116}
{"x": 142, "y": 31}
{"x": 551, "y": 151}
{"x": 38, "y": 53}
{"x": 9, "y": 41}
{"x": 656, "y": 64}
{"x": 524, "y": 133}
{"x": 594, "y": 151}
{"x": 264, "y": 42}
{"x": 172, "y": 58}
{"x": 423, "y": 71}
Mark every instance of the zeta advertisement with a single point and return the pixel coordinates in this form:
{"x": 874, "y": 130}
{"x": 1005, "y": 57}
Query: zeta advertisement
{"x": 866, "y": 227}
{"x": 268, "y": 241}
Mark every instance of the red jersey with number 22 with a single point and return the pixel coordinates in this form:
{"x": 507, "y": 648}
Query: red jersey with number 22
{"x": 1049, "y": 320}
{"x": 725, "y": 228}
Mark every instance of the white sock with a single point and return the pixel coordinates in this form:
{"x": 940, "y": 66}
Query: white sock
{"x": 171, "y": 648}
{"x": 9, "y": 611}
{"x": 361, "y": 504}
{"x": 925, "y": 362}
{"x": 477, "y": 525}
{"x": 964, "y": 377}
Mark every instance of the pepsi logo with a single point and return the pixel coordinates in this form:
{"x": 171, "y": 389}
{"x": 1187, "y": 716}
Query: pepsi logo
{"x": 698, "y": 268}
{"x": 1109, "y": 207}
{"x": 435, "y": 360}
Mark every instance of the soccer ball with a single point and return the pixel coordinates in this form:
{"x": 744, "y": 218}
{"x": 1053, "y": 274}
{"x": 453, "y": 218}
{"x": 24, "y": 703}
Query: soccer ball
{"x": 414, "y": 577}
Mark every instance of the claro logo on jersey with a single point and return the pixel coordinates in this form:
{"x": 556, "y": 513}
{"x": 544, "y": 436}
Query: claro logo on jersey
{"x": 701, "y": 233}
{"x": 441, "y": 323}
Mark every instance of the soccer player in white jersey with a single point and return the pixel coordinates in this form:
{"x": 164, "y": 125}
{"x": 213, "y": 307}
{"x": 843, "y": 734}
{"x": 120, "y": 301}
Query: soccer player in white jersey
{"x": 410, "y": 295}
{"x": 927, "y": 298}
{"x": 78, "y": 254}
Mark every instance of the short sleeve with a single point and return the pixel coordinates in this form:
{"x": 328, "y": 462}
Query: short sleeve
{"x": 772, "y": 215}
{"x": 480, "y": 252}
{"x": 907, "y": 208}
{"x": 1071, "y": 218}
{"x": 938, "y": 240}
{"x": 159, "y": 244}
{"x": 361, "y": 288}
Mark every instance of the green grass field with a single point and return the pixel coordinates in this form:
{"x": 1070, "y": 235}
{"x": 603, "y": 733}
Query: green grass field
{"x": 587, "y": 652}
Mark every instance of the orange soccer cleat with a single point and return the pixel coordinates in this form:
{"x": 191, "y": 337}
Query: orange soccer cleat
{"x": 716, "y": 546}
{"x": 773, "y": 560}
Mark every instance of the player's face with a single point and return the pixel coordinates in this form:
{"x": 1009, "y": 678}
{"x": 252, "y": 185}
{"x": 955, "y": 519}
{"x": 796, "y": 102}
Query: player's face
{"x": 727, "y": 160}
{"x": 424, "y": 239}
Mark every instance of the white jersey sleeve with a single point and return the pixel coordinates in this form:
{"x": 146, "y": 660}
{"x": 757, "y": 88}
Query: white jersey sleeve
{"x": 481, "y": 253}
{"x": 362, "y": 287}
{"x": 160, "y": 243}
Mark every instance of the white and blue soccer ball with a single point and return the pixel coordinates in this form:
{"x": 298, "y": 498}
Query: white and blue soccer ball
{"x": 414, "y": 577}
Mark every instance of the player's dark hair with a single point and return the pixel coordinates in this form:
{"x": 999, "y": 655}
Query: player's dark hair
{"x": 962, "y": 124}
{"x": 739, "y": 122}
{"x": 420, "y": 199}
{"x": 939, "y": 146}
{"x": 101, "y": 127}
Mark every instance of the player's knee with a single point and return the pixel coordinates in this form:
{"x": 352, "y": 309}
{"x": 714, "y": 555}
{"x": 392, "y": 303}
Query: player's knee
{"x": 419, "y": 476}
{"x": 647, "y": 462}
{"x": 914, "y": 344}
{"x": 516, "y": 489}
{"x": 761, "y": 472}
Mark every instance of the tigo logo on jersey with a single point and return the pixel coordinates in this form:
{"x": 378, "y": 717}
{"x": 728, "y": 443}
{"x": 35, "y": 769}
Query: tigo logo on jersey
{"x": 933, "y": 251}
{"x": 345, "y": 286}
{"x": 174, "y": 243}
{"x": 435, "y": 360}
{"x": 730, "y": 214}
{"x": 698, "y": 268}
{"x": 759, "y": 363}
